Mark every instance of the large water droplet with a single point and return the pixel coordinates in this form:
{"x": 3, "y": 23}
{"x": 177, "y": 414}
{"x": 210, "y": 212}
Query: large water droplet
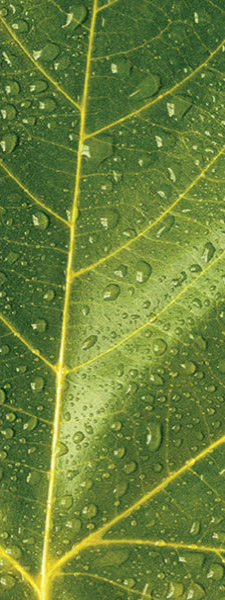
{"x": 49, "y": 52}
{"x": 8, "y": 112}
{"x": 40, "y": 220}
{"x": 154, "y": 435}
{"x": 143, "y": 271}
{"x": 111, "y": 292}
{"x": 98, "y": 150}
{"x": 7, "y": 581}
{"x": 78, "y": 437}
{"x": 75, "y": 18}
{"x": 178, "y": 106}
{"x": 20, "y": 26}
{"x": 175, "y": 590}
{"x": 147, "y": 87}
{"x": 89, "y": 342}
{"x": 189, "y": 367}
{"x": 37, "y": 384}
{"x": 40, "y": 325}
{"x": 48, "y": 105}
{"x": 31, "y": 423}
{"x": 66, "y": 502}
{"x": 8, "y": 142}
{"x": 216, "y": 572}
{"x": 90, "y": 511}
{"x": 61, "y": 449}
{"x": 208, "y": 252}
{"x": 38, "y": 86}
{"x": 159, "y": 346}
{"x": 195, "y": 592}
{"x": 109, "y": 218}
{"x": 165, "y": 226}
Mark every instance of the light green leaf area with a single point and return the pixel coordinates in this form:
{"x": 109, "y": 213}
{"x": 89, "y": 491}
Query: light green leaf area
{"x": 112, "y": 315}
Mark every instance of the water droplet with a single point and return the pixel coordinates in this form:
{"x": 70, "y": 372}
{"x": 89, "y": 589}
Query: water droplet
{"x": 38, "y": 86}
{"x": 178, "y": 106}
{"x": 49, "y": 295}
{"x": 208, "y": 252}
{"x": 7, "y": 581}
{"x": 216, "y": 572}
{"x": 8, "y": 112}
{"x": 66, "y": 502}
{"x": 195, "y": 268}
{"x": 62, "y": 63}
{"x": 3, "y": 278}
{"x": 159, "y": 347}
{"x": 130, "y": 467}
{"x": 143, "y": 271}
{"x": 8, "y": 433}
{"x": 49, "y": 52}
{"x": 130, "y": 582}
{"x": 221, "y": 366}
{"x": 3, "y": 455}
{"x": 47, "y": 105}
{"x": 193, "y": 560}
{"x": 78, "y": 437}
{"x": 74, "y": 525}
{"x": 121, "y": 488}
{"x": 61, "y": 449}
{"x": 20, "y": 26}
{"x": 111, "y": 292}
{"x": 90, "y": 511}
{"x": 74, "y": 19}
{"x": 40, "y": 220}
{"x": 89, "y": 342}
{"x": 12, "y": 258}
{"x": 31, "y": 423}
{"x": 121, "y": 66}
{"x": 37, "y": 384}
{"x": 2, "y": 396}
{"x": 14, "y": 551}
{"x": 116, "y": 426}
{"x": 30, "y": 121}
{"x": 109, "y": 218}
{"x": 121, "y": 271}
{"x": 33, "y": 478}
{"x": 175, "y": 590}
{"x": 165, "y": 226}
{"x": 119, "y": 452}
{"x": 189, "y": 367}
{"x": 147, "y": 87}
{"x": 8, "y": 142}
{"x": 195, "y": 592}
{"x": 98, "y": 150}
{"x": 195, "y": 527}
{"x": 154, "y": 435}
{"x": 12, "y": 88}
{"x": 40, "y": 325}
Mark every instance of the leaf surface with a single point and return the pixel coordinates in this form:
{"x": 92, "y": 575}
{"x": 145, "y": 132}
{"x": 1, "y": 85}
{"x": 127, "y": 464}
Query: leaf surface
{"x": 111, "y": 303}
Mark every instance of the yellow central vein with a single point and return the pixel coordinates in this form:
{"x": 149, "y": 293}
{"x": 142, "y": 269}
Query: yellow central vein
{"x": 36, "y": 200}
{"x": 158, "y": 98}
{"x": 37, "y": 65}
{"x": 95, "y": 538}
{"x": 151, "y": 225}
{"x": 21, "y": 570}
{"x": 26, "y": 343}
{"x": 60, "y": 369}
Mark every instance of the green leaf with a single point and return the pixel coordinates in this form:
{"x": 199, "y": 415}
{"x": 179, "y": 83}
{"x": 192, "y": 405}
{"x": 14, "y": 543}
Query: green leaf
{"x": 112, "y": 459}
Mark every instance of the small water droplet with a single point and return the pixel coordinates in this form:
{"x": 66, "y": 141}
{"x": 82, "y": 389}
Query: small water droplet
{"x": 143, "y": 271}
{"x": 12, "y": 88}
{"x": 33, "y": 478}
{"x": 61, "y": 449}
{"x": 38, "y": 86}
{"x": 159, "y": 346}
{"x": 208, "y": 252}
{"x": 119, "y": 452}
{"x": 8, "y": 433}
{"x": 189, "y": 367}
{"x": 78, "y": 437}
{"x": 7, "y": 581}
{"x": 121, "y": 271}
{"x": 130, "y": 467}
{"x": 20, "y": 26}
{"x": 31, "y": 423}
{"x": 49, "y": 295}
{"x": 48, "y": 105}
{"x": 40, "y": 325}
{"x": 8, "y": 142}
{"x": 109, "y": 218}
{"x": 165, "y": 226}
{"x": 90, "y": 511}
{"x": 74, "y": 525}
{"x": 89, "y": 342}
{"x": 195, "y": 527}
{"x": 37, "y": 384}
{"x": 2, "y": 396}
{"x": 216, "y": 572}
{"x": 66, "y": 502}
{"x": 40, "y": 220}
{"x": 121, "y": 488}
{"x": 116, "y": 426}
{"x": 154, "y": 435}
{"x": 111, "y": 292}
{"x": 175, "y": 590}
{"x": 8, "y": 112}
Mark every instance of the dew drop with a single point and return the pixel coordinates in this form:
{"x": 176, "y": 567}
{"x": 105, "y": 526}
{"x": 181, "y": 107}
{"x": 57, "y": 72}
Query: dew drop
{"x": 74, "y": 19}
{"x": 2, "y": 396}
{"x": 89, "y": 342}
{"x": 159, "y": 347}
{"x": 12, "y": 258}
{"x": 66, "y": 502}
{"x": 195, "y": 528}
{"x": 74, "y": 525}
{"x": 8, "y": 142}
{"x": 12, "y": 88}
{"x": 21, "y": 26}
{"x": 189, "y": 367}
{"x": 49, "y": 295}
{"x": 109, "y": 218}
{"x": 208, "y": 252}
{"x": 216, "y": 572}
{"x": 90, "y": 511}
{"x": 111, "y": 292}
{"x": 119, "y": 452}
{"x": 78, "y": 437}
{"x": 121, "y": 488}
{"x": 195, "y": 592}
{"x": 130, "y": 467}
{"x": 40, "y": 220}
{"x": 8, "y": 433}
{"x": 113, "y": 557}
{"x": 121, "y": 271}
{"x": 154, "y": 435}
{"x": 37, "y": 384}
{"x": 7, "y": 581}
{"x": 40, "y": 325}
{"x": 165, "y": 226}
{"x": 61, "y": 449}
{"x": 143, "y": 271}
{"x": 14, "y": 551}
{"x": 116, "y": 426}
{"x": 48, "y": 105}
{"x": 31, "y": 423}
{"x": 147, "y": 87}
{"x": 49, "y": 52}
{"x": 33, "y": 478}
{"x": 3, "y": 278}
{"x": 175, "y": 590}
{"x": 8, "y": 112}
{"x": 38, "y": 86}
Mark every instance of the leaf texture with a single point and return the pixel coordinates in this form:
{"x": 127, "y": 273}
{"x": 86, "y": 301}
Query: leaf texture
{"x": 112, "y": 311}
